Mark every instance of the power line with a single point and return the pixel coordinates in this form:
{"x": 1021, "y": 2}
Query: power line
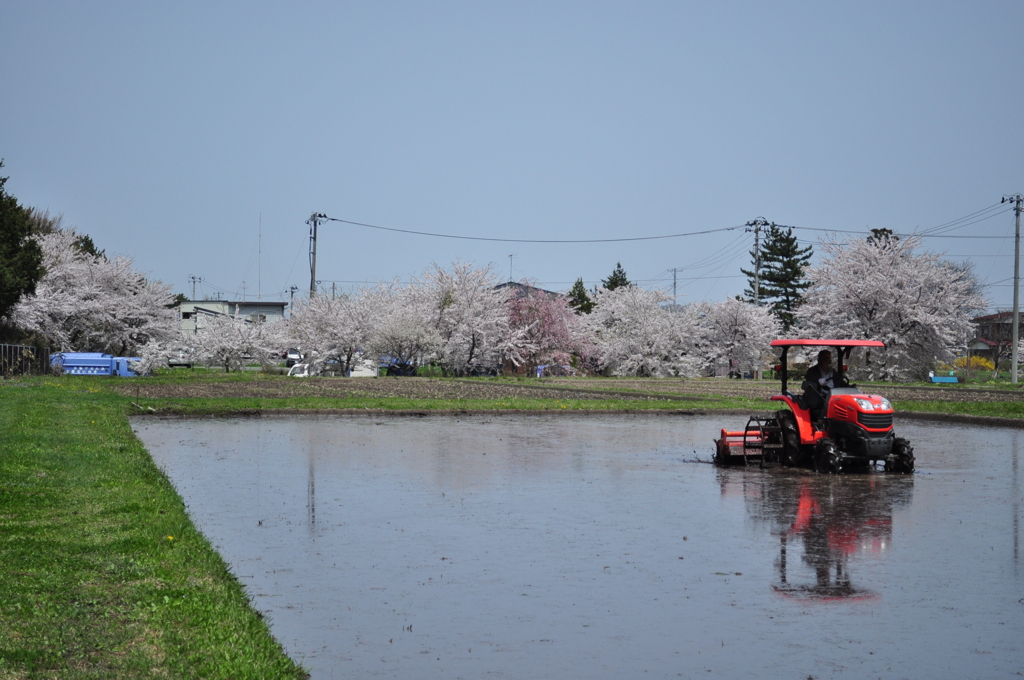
{"x": 526, "y": 240}
{"x": 951, "y": 223}
{"x": 932, "y": 232}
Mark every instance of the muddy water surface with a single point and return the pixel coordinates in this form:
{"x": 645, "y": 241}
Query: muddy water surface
{"x": 596, "y": 547}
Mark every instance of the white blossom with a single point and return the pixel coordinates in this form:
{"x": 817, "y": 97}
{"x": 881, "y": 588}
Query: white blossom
{"x": 918, "y": 305}
{"x": 634, "y": 335}
{"x": 737, "y": 331}
{"x": 468, "y": 314}
{"x": 234, "y": 341}
{"x": 86, "y": 302}
{"x": 401, "y": 331}
{"x": 333, "y": 329}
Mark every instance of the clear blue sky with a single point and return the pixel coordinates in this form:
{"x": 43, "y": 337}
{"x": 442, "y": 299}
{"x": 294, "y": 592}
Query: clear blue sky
{"x": 167, "y": 131}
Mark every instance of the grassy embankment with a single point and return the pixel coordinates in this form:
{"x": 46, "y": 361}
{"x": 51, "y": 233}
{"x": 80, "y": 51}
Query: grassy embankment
{"x": 103, "y": 574}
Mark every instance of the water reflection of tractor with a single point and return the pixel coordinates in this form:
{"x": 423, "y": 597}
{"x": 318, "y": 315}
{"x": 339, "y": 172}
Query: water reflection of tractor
{"x": 833, "y": 520}
{"x": 832, "y": 428}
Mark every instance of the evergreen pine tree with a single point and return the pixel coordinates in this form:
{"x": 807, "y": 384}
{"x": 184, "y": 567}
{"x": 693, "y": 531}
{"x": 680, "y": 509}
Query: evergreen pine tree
{"x": 20, "y": 255}
{"x": 578, "y": 298}
{"x": 617, "y": 278}
{"x": 880, "y": 236}
{"x": 783, "y": 263}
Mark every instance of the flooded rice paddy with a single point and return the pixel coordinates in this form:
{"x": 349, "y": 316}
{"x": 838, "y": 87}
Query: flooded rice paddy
{"x": 570, "y": 546}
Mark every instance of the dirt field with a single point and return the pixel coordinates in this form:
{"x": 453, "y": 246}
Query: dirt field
{"x": 408, "y": 388}
{"x": 675, "y": 389}
{"x": 755, "y": 389}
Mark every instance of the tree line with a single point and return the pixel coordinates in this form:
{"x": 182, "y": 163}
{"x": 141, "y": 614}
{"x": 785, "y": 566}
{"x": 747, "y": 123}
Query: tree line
{"x": 57, "y": 288}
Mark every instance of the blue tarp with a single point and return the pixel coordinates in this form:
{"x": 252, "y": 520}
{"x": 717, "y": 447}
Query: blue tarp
{"x": 93, "y": 363}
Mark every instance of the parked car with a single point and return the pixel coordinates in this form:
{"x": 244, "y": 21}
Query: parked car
{"x": 302, "y": 371}
{"x": 181, "y": 358}
{"x": 291, "y": 357}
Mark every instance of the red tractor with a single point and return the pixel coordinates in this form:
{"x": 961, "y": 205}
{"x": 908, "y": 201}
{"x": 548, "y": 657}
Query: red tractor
{"x": 852, "y": 431}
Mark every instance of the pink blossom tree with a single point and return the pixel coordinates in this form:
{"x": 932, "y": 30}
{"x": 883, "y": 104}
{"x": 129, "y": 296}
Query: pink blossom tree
{"x": 551, "y": 332}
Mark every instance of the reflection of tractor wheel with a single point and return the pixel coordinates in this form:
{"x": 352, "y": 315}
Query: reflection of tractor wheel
{"x": 790, "y": 456}
{"x": 826, "y": 458}
{"x": 902, "y": 457}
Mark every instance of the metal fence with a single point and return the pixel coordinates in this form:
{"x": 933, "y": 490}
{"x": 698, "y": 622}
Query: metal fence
{"x": 23, "y": 360}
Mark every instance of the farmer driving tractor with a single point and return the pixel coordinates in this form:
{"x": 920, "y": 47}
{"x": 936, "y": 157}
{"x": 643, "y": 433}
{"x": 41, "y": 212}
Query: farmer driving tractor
{"x": 818, "y": 385}
{"x": 834, "y": 426}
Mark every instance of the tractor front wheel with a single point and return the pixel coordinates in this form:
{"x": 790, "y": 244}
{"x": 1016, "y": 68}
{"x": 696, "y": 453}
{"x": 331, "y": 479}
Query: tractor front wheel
{"x": 826, "y": 458}
{"x": 901, "y": 459}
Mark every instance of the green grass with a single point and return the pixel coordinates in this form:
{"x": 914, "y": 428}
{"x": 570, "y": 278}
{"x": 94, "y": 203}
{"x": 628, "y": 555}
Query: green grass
{"x": 1000, "y": 409}
{"x": 103, "y": 573}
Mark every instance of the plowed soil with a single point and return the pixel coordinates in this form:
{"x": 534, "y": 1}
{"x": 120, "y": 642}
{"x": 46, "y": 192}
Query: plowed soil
{"x": 644, "y": 389}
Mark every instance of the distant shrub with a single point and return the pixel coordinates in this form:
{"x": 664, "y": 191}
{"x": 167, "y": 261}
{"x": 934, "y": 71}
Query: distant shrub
{"x": 977, "y": 364}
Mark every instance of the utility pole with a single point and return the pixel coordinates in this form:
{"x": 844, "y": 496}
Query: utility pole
{"x": 194, "y": 280}
{"x": 1018, "y": 201}
{"x": 675, "y": 302}
{"x": 291, "y": 299}
{"x": 259, "y": 262}
{"x": 313, "y": 222}
{"x": 755, "y": 226}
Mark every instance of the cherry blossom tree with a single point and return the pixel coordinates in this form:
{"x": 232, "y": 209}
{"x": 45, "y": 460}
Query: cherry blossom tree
{"x": 401, "y": 329}
{"x": 551, "y": 332}
{"x": 737, "y": 332}
{"x": 333, "y": 329}
{"x": 468, "y": 314}
{"x": 87, "y": 302}
{"x": 634, "y": 335}
{"x": 234, "y": 341}
{"x": 155, "y": 354}
{"x": 917, "y": 304}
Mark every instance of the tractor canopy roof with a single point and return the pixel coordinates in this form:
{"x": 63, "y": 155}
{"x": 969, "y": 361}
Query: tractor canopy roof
{"x": 826, "y": 343}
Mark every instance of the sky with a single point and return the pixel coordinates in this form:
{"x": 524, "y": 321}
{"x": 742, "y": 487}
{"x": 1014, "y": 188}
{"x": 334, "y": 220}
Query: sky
{"x": 198, "y": 138}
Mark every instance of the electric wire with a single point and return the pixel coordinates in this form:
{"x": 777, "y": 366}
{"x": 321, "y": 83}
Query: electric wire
{"x": 526, "y": 240}
{"x": 942, "y": 227}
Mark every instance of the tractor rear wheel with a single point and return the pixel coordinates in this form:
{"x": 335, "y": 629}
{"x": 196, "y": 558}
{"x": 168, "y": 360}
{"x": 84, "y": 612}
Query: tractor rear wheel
{"x": 826, "y": 458}
{"x": 790, "y": 456}
{"x": 901, "y": 459}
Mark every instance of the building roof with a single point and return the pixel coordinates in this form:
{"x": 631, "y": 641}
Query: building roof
{"x": 1002, "y": 317}
{"x": 246, "y": 303}
{"x": 519, "y": 290}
